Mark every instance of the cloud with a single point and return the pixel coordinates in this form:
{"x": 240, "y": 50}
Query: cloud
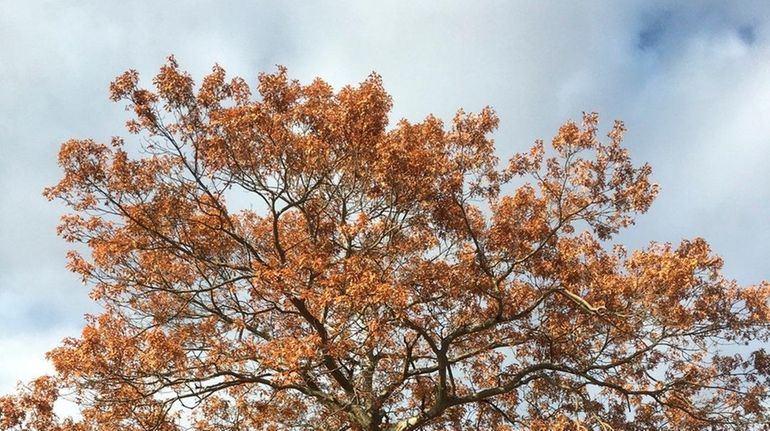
{"x": 23, "y": 357}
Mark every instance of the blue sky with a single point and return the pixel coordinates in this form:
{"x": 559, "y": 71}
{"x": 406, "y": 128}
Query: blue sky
{"x": 690, "y": 79}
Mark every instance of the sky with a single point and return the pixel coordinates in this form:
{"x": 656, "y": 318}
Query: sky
{"x": 691, "y": 80}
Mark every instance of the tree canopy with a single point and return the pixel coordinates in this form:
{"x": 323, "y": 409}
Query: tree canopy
{"x": 291, "y": 261}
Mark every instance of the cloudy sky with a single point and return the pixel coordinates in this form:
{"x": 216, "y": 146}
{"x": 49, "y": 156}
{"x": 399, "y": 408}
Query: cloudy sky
{"x": 690, "y": 79}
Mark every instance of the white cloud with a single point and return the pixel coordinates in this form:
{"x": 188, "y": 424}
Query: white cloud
{"x": 24, "y": 355}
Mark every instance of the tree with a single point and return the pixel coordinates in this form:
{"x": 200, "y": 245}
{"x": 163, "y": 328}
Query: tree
{"x": 291, "y": 262}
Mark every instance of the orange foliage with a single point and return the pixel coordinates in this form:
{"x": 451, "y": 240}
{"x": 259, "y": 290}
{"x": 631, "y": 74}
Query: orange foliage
{"x": 379, "y": 277}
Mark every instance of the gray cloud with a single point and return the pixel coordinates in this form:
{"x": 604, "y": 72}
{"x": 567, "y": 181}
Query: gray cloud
{"x": 691, "y": 82}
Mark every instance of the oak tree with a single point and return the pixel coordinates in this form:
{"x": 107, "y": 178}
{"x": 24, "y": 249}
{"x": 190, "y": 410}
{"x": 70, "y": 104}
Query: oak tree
{"x": 291, "y": 261}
